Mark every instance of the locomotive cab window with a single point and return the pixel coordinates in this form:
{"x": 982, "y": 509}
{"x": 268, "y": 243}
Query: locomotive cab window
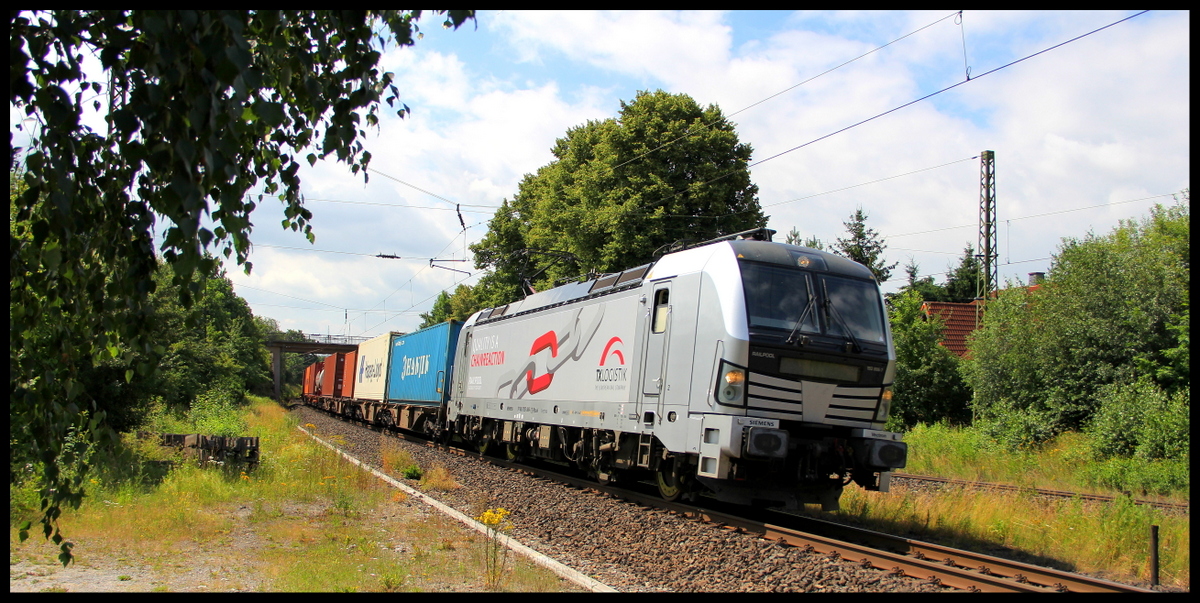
{"x": 779, "y": 298}
{"x": 661, "y": 309}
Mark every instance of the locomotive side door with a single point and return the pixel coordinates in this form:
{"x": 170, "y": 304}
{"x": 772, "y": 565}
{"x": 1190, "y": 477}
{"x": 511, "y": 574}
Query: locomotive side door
{"x": 658, "y": 322}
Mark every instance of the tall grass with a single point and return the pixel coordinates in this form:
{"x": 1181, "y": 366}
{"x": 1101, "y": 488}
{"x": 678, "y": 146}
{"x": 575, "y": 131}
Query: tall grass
{"x": 303, "y": 519}
{"x": 1110, "y": 539}
{"x": 1067, "y": 462}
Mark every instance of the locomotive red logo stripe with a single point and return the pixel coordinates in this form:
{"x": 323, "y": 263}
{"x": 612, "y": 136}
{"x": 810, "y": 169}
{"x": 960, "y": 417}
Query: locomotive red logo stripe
{"x": 617, "y": 353}
{"x": 547, "y": 340}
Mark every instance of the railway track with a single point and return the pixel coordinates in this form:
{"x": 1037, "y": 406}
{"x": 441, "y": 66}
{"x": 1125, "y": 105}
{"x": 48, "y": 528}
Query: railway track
{"x": 955, "y": 568}
{"x": 921, "y": 561}
{"x": 1168, "y": 506}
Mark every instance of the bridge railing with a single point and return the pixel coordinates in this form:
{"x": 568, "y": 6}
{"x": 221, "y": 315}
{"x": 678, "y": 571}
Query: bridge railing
{"x": 340, "y": 339}
{"x": 324, "y": 338}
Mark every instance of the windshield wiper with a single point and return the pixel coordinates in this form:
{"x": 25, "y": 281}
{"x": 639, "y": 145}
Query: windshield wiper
{"x": 845, "y": 327}
{"x": 803, "y": 316}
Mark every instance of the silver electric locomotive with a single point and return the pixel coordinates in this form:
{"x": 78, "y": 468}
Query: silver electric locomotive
{"x": 752, "y": 371}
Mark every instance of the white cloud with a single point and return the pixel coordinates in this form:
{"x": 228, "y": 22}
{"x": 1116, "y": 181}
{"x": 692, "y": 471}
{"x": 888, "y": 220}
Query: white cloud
{"x": 1101, "y": 120}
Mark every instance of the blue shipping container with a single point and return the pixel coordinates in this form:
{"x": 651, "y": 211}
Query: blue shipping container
{"x": 421, "y": 364}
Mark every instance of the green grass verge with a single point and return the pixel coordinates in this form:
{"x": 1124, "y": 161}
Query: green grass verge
{"x": 1109, "y": 539}
{"x": 302, "y": 520}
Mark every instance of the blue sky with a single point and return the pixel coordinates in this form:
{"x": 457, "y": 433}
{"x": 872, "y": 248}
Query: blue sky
{"x": 1094, "y": 124}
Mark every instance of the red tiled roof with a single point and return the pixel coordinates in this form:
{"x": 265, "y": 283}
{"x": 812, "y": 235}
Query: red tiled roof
{"x": 959, "y": 319}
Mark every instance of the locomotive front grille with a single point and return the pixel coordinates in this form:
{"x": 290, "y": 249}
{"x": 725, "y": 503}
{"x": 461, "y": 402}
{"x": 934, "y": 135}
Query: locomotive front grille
{"x": 781, "y": 398}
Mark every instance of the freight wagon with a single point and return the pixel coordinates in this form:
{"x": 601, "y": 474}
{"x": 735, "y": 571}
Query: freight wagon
{"x": 395, "y": 379}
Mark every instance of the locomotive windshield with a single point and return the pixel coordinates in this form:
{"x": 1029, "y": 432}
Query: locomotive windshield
{"x": 793, "y": 300}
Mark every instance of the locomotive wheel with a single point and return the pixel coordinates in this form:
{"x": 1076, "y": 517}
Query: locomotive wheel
{"x": 484, "y": 446}
{"x": 512, "y": 452}
{"x": 670, "y": 486}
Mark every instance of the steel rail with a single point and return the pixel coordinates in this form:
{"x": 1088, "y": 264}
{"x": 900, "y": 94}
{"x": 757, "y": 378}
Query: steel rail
{"x": 1043, "y": 491}
{"x": 1045, "y": 577}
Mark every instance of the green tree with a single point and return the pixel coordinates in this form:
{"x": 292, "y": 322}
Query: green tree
{"x": 864, "y": 246}
{"x": 794, "y": 238}
{"x": 962, "y": 281}
{"x": 1140, "y": 419}
{"x": 439, "y": 313}
{"x": 458, "y": 306}
{"x": 664, "y": 170}
{"x": 925, "y": 288}
{"x": 960, "y": 285}
{"x": 214, "y": 345}
{"x": 1111, "y": 311}
{"x": 928, "y": 387}
{"x": 202, "y": 107}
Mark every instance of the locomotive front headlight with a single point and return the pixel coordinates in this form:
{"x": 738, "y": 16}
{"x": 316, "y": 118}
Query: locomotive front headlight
{"x": 731, "y": 385}
{"x": 885, "y": 405}
{"x": 735, "y": 377}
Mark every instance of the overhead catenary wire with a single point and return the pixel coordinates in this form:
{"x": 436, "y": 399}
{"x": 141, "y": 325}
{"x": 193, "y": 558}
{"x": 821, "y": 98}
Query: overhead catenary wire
{"x": 1008, "y": 262}
{"x": 873, "y": 181}
{"x": 413, "y": 186}
{"x": 386, "y": 256}
{"x": 334, "y": 309}
{"x": 485, "y": 208}
{"x": 899, "y": 107}
{"x": 975, "y": 224}
{"x": 691, "y": 130}
{"x": 415, "y": 275}
{"x": 789, "y": 150}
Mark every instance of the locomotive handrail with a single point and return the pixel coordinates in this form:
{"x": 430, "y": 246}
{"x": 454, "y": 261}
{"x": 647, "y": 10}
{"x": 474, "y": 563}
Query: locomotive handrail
{"x": 757, "y": 234}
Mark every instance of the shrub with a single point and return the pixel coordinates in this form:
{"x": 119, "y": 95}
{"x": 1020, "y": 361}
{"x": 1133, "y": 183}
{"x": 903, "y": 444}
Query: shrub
{"x": 1133, "y": 475}
{"x": 438, "y": 478}
{"x": 1016, "y": 427}
{"x": 1141, "y": 419}
{"x": 398, "y": 461}
{"x": 217, "y": 412}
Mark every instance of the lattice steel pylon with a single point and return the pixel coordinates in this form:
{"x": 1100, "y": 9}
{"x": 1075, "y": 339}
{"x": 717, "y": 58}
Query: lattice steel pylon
{"x": 989, "y": 268}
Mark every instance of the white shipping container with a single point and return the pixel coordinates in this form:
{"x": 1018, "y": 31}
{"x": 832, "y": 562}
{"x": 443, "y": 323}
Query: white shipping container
{"x": 370, "y": 376}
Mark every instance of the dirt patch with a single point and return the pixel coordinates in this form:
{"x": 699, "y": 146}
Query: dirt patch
{"x": 105, "y": 572}
{"x": 227, "y": 561}
{"x": 223, "y": 562}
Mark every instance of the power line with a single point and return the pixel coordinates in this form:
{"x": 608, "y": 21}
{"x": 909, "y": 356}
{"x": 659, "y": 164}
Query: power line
{"x": 398, "y": 206}
{"x": 908, "y": 234}
{"x": 690, "y": 131}
{"x": 829, "y": 192}
{"x": 1014, "y": 219}
{"x": 434, "y": 195}
{"x": 311, "y": 301}
{"x": 1090, "y": 207}
{"x": 910, "y": 103}
{"x": 418, "y": 273}
{"x": 873, "y": 181}
{"x": 262, "y": 305}
{"x": 373, "y": 255}
{"x": 947, "y": 88}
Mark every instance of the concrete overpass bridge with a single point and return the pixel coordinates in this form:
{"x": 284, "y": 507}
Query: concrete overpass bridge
{"x": 313, "y": 344}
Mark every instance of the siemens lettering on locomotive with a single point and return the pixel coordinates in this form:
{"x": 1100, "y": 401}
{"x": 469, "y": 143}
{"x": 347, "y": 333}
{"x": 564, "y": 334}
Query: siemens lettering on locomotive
{"x": 750, "y": 371}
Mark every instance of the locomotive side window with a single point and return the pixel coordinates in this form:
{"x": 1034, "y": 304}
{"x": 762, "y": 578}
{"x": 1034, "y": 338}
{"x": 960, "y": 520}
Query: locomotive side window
{"x": 661, "y": 309}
